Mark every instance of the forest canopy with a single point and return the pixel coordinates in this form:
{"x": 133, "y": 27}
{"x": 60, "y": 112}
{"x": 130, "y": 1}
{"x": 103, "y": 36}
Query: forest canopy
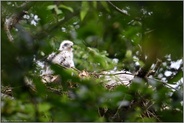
{"x": 144, "y": 38}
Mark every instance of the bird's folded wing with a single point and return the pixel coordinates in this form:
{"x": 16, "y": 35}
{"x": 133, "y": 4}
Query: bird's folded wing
{"x": 51, "y": 56}
{"x": 113, "y": 78}
{"x": 57, "y": 58}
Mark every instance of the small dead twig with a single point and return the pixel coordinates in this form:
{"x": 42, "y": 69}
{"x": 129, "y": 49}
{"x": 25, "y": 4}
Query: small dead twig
{"x": 155, "y": 69}
{"x": 118, "y": 9}
{"x": 154, "y": 115}
{"x": 56, "y": 91}
{"x": 157, "y": 66}
{"x": 109, "y": 74}
{"x": 162, "y": 82}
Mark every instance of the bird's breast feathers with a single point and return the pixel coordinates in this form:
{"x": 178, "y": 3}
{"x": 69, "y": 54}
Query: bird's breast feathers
{"x": 64, "y": 58}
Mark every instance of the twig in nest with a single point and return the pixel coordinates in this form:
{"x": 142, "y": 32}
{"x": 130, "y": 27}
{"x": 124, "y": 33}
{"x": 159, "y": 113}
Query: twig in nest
{"x": 84, "y": 74}
{"x": 154, "y": 115}
{"x": 57, "y": 91}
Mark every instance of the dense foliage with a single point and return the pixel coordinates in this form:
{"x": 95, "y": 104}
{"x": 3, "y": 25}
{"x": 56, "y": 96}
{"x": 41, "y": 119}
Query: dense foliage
{"x": 141, "y": 36}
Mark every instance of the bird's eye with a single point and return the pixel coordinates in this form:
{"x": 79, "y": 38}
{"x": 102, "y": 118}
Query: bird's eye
{"x": 66, "y": 44}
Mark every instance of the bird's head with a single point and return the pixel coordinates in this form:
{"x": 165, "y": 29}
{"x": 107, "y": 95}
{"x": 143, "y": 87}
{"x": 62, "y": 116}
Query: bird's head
{"x": 66, "y": 45}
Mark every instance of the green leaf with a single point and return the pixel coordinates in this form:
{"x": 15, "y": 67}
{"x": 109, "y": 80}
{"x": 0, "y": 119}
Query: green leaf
{"x": 177, "y": 77}
{"x": 84, "y": 9}
{"x": 105, "y": 5}
{"x": 98, "y": 59}
{"x": 95, "y": 4}
{"x": 58, "y": 11}
{"x": 66, "y": 7}
{"x": 43, "y": 107}
{"x": 50, "y": 7}
{"x": 128, "y": 54}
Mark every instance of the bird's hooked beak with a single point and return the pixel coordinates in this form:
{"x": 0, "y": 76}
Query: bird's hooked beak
{"x": 71, "y": 47}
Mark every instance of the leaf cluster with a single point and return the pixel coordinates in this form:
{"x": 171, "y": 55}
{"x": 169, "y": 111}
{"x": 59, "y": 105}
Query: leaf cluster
{"x": 107, "y": 35}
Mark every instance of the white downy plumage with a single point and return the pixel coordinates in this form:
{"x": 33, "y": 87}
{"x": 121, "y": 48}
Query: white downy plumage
{"x": 114, "y": 78}
{"x": 63, "y": 57}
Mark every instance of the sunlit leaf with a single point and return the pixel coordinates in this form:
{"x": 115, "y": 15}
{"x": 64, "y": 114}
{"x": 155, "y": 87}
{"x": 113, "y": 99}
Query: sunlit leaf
{"x": 84, "y": 9}
{"x": 105, "y": 5}
{"x": 177, "y": 77}
{"x": 95, "y": 4}
{"x": 43, "y": 107}
{"x": 128, "y": 54}
{"x": 50, "y": 7}
{"x": 57, "y": 10}
{"x": 66, "y": 7}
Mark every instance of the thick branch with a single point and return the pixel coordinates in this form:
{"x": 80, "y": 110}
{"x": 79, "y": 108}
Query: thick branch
{"x": 15, "y": 18}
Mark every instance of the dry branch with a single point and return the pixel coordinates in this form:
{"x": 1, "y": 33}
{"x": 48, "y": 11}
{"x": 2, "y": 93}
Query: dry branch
{"x": 15, "y": 18}
{"x": 118, "y": 9}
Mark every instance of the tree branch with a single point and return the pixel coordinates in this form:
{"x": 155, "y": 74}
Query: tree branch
{"x": 118, "y": 9}
{"x": 155, "y": 69}
{"x": 164, "y": 83}
{"x": 15, "y": 18}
